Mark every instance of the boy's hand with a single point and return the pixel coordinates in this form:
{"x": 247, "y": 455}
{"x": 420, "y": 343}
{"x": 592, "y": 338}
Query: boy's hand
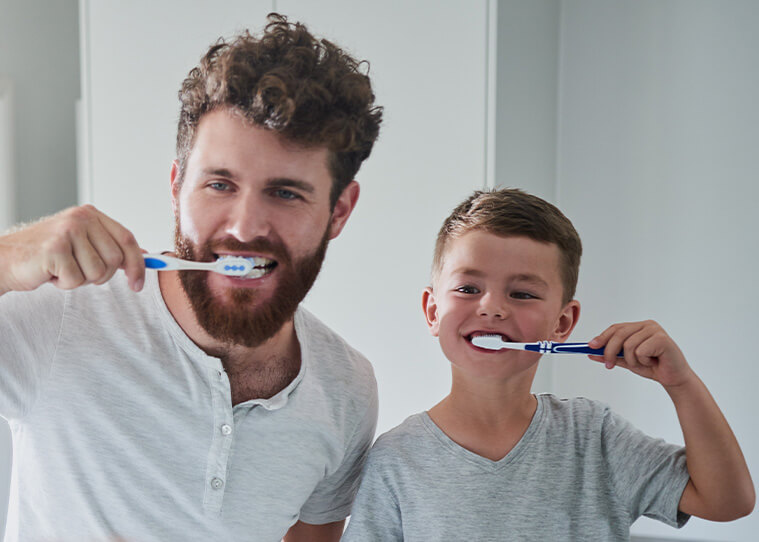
{"x": 648, "y": 351}
{"x": 75, "y": 247}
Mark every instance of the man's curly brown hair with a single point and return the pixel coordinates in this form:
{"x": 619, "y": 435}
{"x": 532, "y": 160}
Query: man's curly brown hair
{"x": 309, "y": 91}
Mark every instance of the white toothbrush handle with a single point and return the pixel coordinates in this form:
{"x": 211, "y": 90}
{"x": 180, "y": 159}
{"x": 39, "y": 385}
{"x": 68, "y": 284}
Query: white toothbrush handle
{"x": 161, "y": 262}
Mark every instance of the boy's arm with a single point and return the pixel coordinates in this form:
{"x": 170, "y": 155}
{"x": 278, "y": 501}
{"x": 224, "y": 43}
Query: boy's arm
{"x": 720, "y": 486}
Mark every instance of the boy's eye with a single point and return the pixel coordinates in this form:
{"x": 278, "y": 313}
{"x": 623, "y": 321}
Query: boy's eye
{"x": 467, "y": 290}
{"x": 522, "y": 295}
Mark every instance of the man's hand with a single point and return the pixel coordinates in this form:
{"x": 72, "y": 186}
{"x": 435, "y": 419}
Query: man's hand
{"x": 75, "y": 247}
{"x": 648, "y": 351}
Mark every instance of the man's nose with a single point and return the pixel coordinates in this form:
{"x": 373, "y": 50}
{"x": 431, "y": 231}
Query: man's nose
{"x": 493, "y": 305}
{"x": 248, "y": 219}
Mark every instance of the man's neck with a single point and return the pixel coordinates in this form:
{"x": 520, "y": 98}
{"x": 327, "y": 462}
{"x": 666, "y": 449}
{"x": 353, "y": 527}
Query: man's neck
{"x": 254, "y": 372}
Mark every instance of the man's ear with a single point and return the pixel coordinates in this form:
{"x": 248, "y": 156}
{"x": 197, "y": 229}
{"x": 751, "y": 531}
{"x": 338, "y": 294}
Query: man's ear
{"x": 567, "y": 321}
{"x": 175, "y": 185}
{"x": 343, "y": 208}
{"x": 429, "y": 305}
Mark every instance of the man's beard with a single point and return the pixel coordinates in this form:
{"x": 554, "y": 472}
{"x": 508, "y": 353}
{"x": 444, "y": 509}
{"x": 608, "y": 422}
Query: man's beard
{"x": 242, "y": 319}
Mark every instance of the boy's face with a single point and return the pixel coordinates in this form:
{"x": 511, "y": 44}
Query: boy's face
{"x": 505, "y": 285}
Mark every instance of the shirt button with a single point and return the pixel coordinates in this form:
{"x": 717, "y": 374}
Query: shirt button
{"x": 217, "y": 483}
{"x": 226, "y": 430}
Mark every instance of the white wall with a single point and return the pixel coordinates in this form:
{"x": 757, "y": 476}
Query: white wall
{"x": 657, "y": 168}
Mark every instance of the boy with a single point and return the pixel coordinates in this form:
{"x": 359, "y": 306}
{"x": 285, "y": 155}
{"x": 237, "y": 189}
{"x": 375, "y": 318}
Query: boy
{"x": 491, "y": 461}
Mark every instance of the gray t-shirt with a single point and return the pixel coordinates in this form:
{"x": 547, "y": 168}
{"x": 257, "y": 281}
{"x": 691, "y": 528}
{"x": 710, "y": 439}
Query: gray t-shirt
{"x": 579, "y": 472}
{"x": 124, "y": 429}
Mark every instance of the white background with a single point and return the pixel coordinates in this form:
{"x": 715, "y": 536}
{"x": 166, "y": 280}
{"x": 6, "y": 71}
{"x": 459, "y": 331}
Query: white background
{"x": 637, "y": 118}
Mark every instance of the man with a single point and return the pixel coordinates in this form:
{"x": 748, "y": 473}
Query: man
{"x": 191, "y": 405}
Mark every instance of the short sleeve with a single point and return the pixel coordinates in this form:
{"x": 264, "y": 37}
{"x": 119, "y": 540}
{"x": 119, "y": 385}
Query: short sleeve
{"x": 333, "y": 497}
{"x": 376, "y": 514}
{"x": 30, "y": 323}
{"x": 649, "y": 474}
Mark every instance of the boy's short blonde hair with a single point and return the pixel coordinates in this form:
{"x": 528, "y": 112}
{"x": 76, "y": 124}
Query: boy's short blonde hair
{"x": 510, "y": 212}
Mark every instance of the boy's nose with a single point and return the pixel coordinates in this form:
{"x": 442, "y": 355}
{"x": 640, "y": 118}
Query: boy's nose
{"x": 247, "y": 220}
{"x": 493, "y": 306}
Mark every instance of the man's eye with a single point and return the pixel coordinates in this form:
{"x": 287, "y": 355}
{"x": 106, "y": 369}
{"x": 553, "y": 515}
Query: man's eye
{"x": 283, "y": 193}
{"x": 467, "y": 290}
{"x": 218, "y": 185}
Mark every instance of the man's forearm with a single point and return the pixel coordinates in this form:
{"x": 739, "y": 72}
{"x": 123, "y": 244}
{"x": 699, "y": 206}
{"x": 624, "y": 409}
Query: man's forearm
{"x": 305, "y": 532}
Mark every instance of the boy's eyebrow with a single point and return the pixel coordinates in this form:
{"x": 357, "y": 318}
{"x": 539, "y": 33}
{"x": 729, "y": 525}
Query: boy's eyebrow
{"x": 521, "y": 277}
{"x": 284, "y": 182}
{"x": 527, "y": 277}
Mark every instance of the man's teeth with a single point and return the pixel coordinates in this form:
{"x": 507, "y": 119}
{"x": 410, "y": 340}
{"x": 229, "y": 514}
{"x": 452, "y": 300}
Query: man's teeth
{"x": 257, "y": 272}
{"x": 257, "y": 261}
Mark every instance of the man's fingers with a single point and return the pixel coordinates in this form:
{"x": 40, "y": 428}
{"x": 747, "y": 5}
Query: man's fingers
{"x": 119, "y": 250}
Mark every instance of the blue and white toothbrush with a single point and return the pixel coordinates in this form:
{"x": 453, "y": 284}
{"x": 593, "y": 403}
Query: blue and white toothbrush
{"x": 495, "y": 342}
{"x": 232, "y": 266}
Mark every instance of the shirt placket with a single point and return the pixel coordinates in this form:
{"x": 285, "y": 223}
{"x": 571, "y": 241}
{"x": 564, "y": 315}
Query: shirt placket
{"x": 221, "y": 443}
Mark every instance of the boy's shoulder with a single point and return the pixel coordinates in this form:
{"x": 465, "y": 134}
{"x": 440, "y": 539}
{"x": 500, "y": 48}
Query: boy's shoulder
{"x": 404, "y": 435}
{"x": 404, "y": 444}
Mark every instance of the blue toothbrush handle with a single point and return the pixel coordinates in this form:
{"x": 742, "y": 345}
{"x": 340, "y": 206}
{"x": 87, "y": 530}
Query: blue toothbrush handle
{"x": 154, "y": 263}
{"x": 579, "y": 348}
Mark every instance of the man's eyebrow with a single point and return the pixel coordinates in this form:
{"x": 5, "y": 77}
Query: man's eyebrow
{"x": 284, "y": 182}
{"x": 218, "y": 172}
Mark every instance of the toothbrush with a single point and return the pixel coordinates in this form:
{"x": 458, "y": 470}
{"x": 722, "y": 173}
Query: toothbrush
{"x": 232, "y": 266}
{"x": 494, "y": 342}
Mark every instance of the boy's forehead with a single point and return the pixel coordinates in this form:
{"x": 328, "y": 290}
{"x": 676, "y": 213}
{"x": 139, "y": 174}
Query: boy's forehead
{"x": 480, "y": 252}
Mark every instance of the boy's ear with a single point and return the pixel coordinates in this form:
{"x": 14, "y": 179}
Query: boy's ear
{"x": 429, "y": 306}
{"x": 567, "y": 321}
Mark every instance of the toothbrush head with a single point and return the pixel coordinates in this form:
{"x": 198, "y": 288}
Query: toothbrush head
{"x": 490, "y": 342}
{"x": 234, "y": 266}
{"x": 252, "y": 267}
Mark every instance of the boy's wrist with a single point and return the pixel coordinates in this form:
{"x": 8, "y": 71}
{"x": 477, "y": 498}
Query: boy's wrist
{"x": 685, "y": 387}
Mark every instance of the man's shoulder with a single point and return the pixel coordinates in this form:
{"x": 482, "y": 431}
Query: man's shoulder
{"x": 328, "y": 349}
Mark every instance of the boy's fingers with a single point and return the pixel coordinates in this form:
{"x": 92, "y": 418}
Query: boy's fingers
{"x": 632, "y": 347}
